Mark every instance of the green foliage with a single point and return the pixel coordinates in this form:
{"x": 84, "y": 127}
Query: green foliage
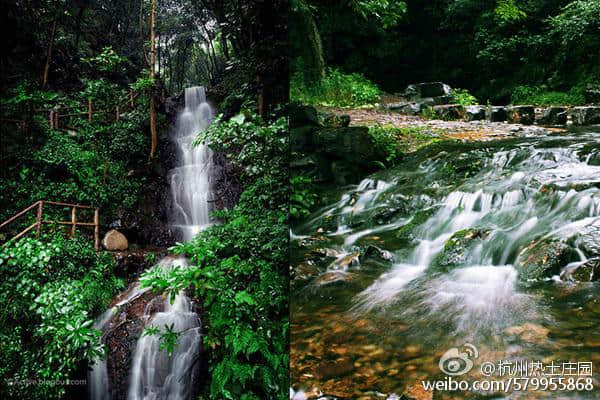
{"x": 143, "y": 82}
{"x": 168, "y": 337}
{"x": 394, "y": 141}
{"x": 107, "y": 61}
{"x": 540, "y": 95}
{"x": 508, "y": 10}
{"x": 388, "y": 12}
{"x": 239, "y": 267}
{"x": 50, "y": 290}
{"x": 335, "y": 89}
{"x": 428, "y": 113}
{"x": 463, "y": 97}
{"x": 302, "y": 196}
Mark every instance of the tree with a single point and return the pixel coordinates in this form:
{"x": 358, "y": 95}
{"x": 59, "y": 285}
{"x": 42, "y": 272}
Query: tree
{"x": 152, "y": 76}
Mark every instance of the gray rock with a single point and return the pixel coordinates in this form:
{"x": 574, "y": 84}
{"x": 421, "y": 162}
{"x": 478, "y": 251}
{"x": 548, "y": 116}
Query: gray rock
{"x": 405, "y": 108}
{"x": 592, "y": 94}
{"x": 552, "y": 116}
{"x": 475, "y": 113}
{"x": 496, "y": 114}
{"x": 449, "y": 111}
{"x": 427, "y": 89}
{"x": 521, "y": 115}
{"x": 585, "y": 115}
{"x": 455, "y": 249}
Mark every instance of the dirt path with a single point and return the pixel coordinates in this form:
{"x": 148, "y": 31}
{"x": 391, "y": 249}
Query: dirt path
{"x": 462, "y": 130}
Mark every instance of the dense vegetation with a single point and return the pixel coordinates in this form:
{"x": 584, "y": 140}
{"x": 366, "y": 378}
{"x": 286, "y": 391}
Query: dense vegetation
{"x": 525, "y": 51}
{"x": 63, "y": 56}
{"x": 239, "y": 267}
{"x": 51, "y": 289}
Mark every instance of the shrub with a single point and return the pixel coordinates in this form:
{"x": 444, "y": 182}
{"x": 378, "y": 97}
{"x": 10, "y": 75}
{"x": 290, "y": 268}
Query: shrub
{"x": 50, "y": 291}
{"x": 335, "y": 89}
{"x": 540, "y": 95}
{"x": 463, "y": 97}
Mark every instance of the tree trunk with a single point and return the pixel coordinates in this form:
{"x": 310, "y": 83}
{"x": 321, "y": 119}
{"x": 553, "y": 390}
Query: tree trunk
{"x": 49, "y": 54}
{"x": 152, "y": 62}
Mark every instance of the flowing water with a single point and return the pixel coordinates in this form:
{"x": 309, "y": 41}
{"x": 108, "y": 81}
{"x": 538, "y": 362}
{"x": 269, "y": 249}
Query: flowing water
{"x": 154, "y": 374}
{"x": 437, "y": 253}
{"x": 190, "y": 180}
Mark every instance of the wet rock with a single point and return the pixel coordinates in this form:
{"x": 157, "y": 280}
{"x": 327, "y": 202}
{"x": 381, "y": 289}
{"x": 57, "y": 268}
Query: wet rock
{"x": 496, "y": 114}
{"x": 405, "y": 233}
{"x": 304, "y": 271}
{"x": 417, "y": 392}
{"x": 544, "y": 258}
{"x": 331, "y": 120}
{"x": 449, "y": 111}
{"x": 589, "y": 271}
{"x": 586, "y": 115}
{"x": 521, "y": 115}
{"x": 587, "y": 239}
{"x": 427, "y": 89}
{"x": 331, "y": 278}
{"x": 592, "y": 94}
{"x": 375, "y": 253}
{"x": 133, "y": 262}
{"x": 455, "y": 249}
{"x": 301, "y": 115}
{"x": 529, "y": 332}
{"x": 475, "y": 113}
{"x": 412, "y": 108}
{"x": 552, "y": 116}
{"x": 115, "y": 240}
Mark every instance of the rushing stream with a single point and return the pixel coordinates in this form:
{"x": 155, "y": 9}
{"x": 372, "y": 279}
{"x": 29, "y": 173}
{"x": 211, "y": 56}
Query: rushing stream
{"x": 153, "y": 373}
{"x": 487, "y": 243}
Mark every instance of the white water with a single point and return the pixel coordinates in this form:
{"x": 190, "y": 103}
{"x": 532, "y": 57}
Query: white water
{"x": 190, "y": 180}
{"x": 156, "y": 375}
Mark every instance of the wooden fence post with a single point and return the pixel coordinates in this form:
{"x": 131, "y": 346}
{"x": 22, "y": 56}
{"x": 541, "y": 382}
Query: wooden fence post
{"x": 51, "y": 119}
{"x": 73, "y": 221}
{"x": 56, "y": 120}
{"x": 118, "y": 114}
{"x": 90, "y": 111}
{"x": 39, "y": 219}
{"x": 96, "y": 230}
{"x": 131, "y": 98}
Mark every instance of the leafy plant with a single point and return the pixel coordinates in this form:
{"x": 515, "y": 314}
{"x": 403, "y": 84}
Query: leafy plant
{"x": 335, "y": 89}
{"x": 302, "y": 197}
{"x": 463, "y": 97}
{"x": 50, "y": 291}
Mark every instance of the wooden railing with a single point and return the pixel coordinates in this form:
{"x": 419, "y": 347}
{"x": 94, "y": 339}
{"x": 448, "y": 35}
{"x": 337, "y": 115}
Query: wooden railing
{"x": 39, "y": 221}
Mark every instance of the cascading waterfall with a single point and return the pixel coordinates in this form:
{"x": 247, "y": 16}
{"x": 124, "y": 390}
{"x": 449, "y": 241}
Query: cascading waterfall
{"x": 154, "y": 374}
{"x": 510, "y": 196}
{"x": 190, "y": 180}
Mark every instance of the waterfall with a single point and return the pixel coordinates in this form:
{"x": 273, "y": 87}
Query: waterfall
{"x": 154, "y": 374}
{"x": 190, "y": 180}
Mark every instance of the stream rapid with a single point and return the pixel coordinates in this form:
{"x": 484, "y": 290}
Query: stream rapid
{"x": 437, "y": 253}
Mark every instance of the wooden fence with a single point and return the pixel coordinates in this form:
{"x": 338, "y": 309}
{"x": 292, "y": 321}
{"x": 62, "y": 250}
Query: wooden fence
{"x": 38, "y": 206}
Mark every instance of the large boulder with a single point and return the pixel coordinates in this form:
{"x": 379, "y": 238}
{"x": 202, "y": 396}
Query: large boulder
{"x": 496, "y": 114}
{"x": 427, "y": 89}
{"x": 585, "y": 115}
{"x": 475, "y": 113}
{"x": 449, "y": 111}
{"x": 552, "y": 116}
{"x": 544, "y": 258}
{"x": 115, "y": 240}
{"x": 521, "y": 115}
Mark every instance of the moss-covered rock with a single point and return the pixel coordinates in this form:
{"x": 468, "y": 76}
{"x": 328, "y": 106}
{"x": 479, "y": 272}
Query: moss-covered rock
{"x": 405, "y": 234}
{"x": 455, "y": 249}
{"x": 589, "y": 271}
{"x": 544, "y": 258}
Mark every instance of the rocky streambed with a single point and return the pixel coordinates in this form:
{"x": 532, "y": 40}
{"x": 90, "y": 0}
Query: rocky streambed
{"x": 492, "y": 243}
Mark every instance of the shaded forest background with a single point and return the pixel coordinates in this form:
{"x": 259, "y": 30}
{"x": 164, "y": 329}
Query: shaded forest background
{"x": 499, "y": 50}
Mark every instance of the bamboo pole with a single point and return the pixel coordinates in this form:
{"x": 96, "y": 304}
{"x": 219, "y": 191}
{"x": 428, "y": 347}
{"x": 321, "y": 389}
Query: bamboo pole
{"x": 131, "y": 98}
{"x": 73, "y": 221}
{"x": 51, "y": 119}
{"x": 39, "y": 219}
{"x": 90, "y": 111}
{"x": 118, "y": 114}
{"x": 56, "y": 120}
{"x": 96, "y": 229}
